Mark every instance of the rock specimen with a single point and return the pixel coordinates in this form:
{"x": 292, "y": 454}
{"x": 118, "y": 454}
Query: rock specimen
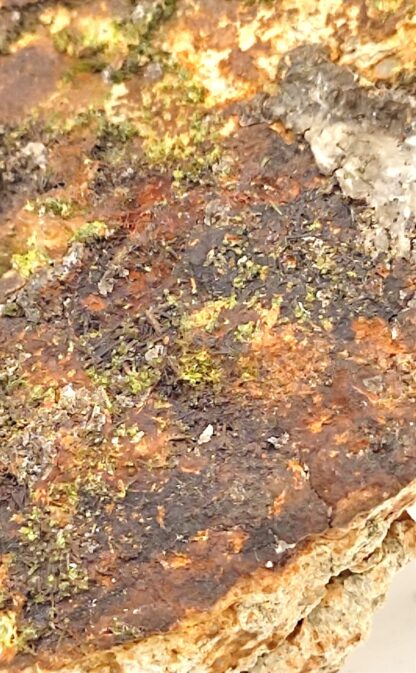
{"x": 207, "y": 374}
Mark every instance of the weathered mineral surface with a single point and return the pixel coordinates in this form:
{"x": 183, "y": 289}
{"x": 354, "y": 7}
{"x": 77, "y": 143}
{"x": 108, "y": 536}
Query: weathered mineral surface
{"x": 365, "y": 138}
{"x": 207, "y": 331}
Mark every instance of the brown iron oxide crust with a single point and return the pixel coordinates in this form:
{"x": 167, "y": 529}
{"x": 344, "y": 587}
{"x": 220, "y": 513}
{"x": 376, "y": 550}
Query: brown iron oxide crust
{"x": 193, "y": 396}
{"x": 311, "y": 412}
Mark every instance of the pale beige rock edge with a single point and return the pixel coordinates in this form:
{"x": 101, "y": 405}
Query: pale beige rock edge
{"x": 304, "y": 618}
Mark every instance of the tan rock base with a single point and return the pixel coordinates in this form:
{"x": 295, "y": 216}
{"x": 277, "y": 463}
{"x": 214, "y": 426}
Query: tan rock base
{"x": 322, "y": 641}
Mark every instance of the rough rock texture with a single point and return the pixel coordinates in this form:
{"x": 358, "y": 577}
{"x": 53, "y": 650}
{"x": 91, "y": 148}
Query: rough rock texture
{"x": 323, "y": 639}
{"x": 207, "y": 331}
